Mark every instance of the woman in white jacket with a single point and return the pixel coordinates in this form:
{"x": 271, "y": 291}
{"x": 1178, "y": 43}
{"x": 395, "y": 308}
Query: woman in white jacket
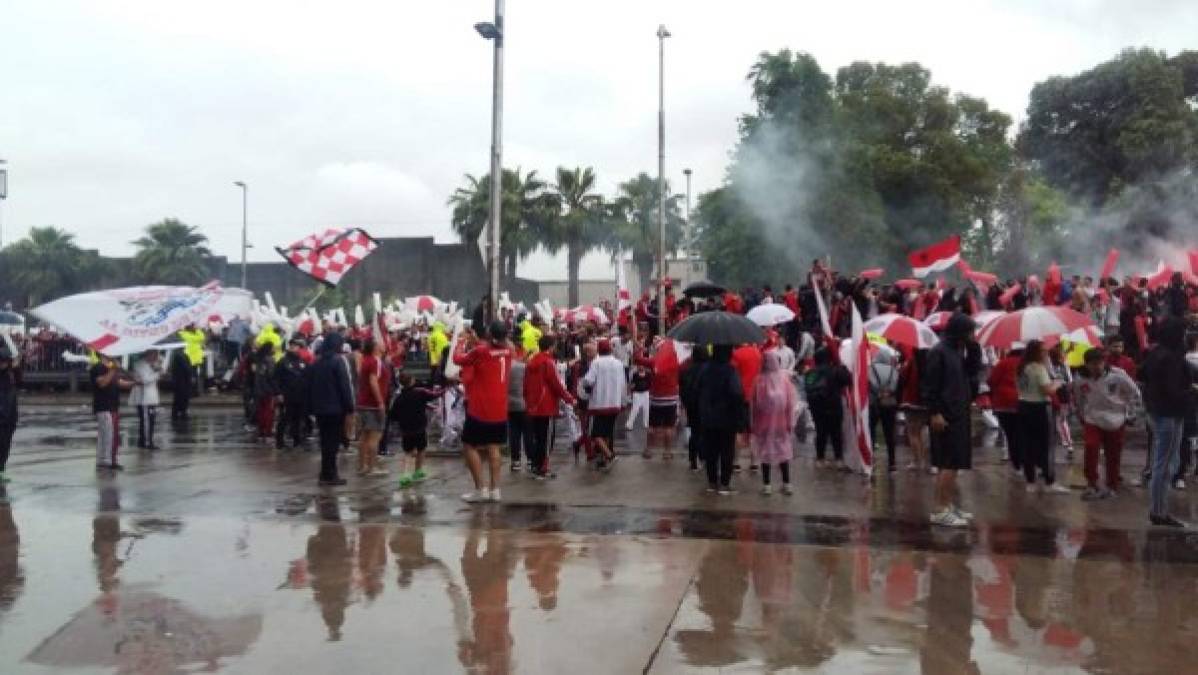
{"x": 604, "y": 388}
{"x": 144, "y": 397}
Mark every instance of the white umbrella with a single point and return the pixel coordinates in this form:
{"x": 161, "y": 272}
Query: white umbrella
{"x": 770, "y": 314}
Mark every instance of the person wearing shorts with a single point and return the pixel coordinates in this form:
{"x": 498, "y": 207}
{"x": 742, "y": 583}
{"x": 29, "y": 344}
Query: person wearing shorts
{"x": 605, "y": 385}
{"x": 372, "y": 396}
{"x": 410, "y": 410}
{"x": 603, "y": 428}
{"x": 486, "y": 408}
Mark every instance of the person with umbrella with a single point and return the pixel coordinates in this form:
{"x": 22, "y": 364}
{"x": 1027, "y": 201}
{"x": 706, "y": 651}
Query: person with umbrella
{"x": 948, "y": 386}
{"x": 722, "y": 411}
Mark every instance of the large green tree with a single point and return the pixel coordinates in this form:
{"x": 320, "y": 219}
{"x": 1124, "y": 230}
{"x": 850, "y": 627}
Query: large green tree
{"x": 172, "y": 252}
{"x": 578, "y": 221}
{"x": 635, "y": 223}
{"x": 47, "y": 264}
{"x": 525, "y": 208}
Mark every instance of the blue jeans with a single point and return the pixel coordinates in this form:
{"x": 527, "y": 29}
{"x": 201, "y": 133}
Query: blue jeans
{"x": 1167, "y": 433}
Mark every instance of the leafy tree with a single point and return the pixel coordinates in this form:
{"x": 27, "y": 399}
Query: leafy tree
{"x": 48, "y": 264}
{"x": 1127, "y": 121}
{"x": 173, "y": 253}
{"x": 577, "y": 221}
{"x": 635, "y": 230}
{"x": 524, "y": 207}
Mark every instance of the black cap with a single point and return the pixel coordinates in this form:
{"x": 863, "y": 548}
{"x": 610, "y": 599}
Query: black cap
{"x": 959, "y": 326}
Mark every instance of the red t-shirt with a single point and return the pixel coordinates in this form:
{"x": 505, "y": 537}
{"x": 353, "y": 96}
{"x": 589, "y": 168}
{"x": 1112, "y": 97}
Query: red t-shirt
{"x": 486, "y": 391}
{"x": 747, "y": 361}
{"x": 371, "y": 365}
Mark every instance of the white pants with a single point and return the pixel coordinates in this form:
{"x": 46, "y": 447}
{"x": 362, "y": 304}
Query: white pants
{"x": 106, "y": 438}
{"x": 640, "y": 408}
{"x": 573, "y": 424}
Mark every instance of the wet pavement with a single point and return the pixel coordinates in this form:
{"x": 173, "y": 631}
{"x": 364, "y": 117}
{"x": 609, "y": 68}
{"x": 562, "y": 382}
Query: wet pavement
{"x": 215, "y": 554}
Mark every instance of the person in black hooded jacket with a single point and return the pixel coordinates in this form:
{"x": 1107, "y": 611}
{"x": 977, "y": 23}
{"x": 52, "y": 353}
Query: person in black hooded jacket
{"x": 722, "y": 412}
{"x": 689, "y": 392}
{"x": 330, "y": 399}
{"x": 10, "y": 378}
{"x": 1168, "y": 384}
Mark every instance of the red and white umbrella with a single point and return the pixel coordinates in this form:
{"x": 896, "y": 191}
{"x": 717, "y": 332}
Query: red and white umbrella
{"x": 938, "y": 321}
{"x": 582, "y": 314}
{"x": 902, "y": 330}
{"x": 1033, "y": 323}
{"x": 770, "y": 314}
{"x": 422, "y": 303}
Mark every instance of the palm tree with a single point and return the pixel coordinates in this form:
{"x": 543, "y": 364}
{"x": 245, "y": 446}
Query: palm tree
{"x": 524, "y": 206}
{"x": 46, "y": 264}
{"x": 172, "y": 252}
{"x": 636, "y": 229}
{"x": 578, "y": 222}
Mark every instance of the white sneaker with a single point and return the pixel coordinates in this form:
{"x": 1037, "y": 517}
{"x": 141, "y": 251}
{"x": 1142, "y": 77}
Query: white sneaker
{"x": 1057, "y": 489}
{"x": 379, "y": 473}
{"x": 1179, "y": 484}
{"x": 767, "y": 490}
{"x": 494, "y": 496}
{"x": 948, "y": 519}
{"x": 475, "y": 497}
{"x": 1032, "y": 488}
{"x": 962, "y": 513}
{"x": 933, "y": 471}
{"x": 787, "y": 489}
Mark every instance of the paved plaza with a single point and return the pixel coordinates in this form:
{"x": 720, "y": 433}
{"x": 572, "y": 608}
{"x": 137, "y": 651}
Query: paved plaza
{"x": 215, "y": 554}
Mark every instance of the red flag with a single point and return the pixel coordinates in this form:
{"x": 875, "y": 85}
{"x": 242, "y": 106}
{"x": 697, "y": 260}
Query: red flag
{"x": 823, "y": 310}
{"x": 937, "y": 257}
{"x": 1163, "y": 275}
{"x": 859, "y": 407}
{"x": 908, "y": 284}
{"x": 872, "y": 273}
{"x": 1193, "y": 262}
{"x": 1108, "y": 267}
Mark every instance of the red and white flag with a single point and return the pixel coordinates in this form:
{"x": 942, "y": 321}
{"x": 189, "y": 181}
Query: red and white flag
{"x": 623, "y": 297}
{"x": 329, "y": 255}
{"x": 937, "y": 257}
{"x": 823, "y": 309}
{"x": 859, "y": 403}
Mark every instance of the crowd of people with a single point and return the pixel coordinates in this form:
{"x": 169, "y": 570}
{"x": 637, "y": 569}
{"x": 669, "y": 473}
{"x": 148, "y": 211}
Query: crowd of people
{"x": 507, "y": 383}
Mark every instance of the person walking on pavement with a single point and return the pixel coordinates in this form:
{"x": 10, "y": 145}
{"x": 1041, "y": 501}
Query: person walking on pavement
{"x": 106, "y": 381}
{"x": 543, "y": 395}
{"x": 824, "y": 385}
{"x": 604, "y": 385}
{"x": 373, "y": 394}
{"x": 1107, "y": 400}
{"x": 289, "y": 378}
{"x": 331, "y": 400}
{"x": 1168, "y": 385}
{"x": 948, "y": 386}
{"x": 489, "y": 364}
{"x": 1036, "y": 388}
{"x": 689, "y": 393}
{"x": 182, "y": 375}
{"x": 722, "y": 409}
{"x": 266, "y": 390}
{"x": 144, "y": 397}
{"x": 775, "y": 402}
{"x": 519, "y": 441}
{"x": 10, "y": 379}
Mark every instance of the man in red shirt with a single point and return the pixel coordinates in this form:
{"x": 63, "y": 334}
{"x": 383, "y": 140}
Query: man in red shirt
{"x": 371, "y": 405}
{"x": 746, "y": 359}
{"x": 543, "y": 395}
{"x": 486, "y": 407}
{"x": 1004, "y": 397}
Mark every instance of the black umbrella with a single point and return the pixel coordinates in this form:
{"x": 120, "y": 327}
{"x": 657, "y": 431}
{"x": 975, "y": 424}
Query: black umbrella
{"x": 703, "y": 289}
{"x": 718, "y": 328}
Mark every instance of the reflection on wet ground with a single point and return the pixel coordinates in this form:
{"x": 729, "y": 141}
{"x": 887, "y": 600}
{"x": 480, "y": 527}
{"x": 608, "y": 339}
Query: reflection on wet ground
{"x": 217, "y": 555}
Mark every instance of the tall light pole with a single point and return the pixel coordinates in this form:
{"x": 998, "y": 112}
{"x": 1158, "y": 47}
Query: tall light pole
{"x": 245, "y": 211}
{"x": 3, "y": 196}
{"x": 686, "y": 238}
{"x": 494, "y": 33}
{"x": 662, "y": 34}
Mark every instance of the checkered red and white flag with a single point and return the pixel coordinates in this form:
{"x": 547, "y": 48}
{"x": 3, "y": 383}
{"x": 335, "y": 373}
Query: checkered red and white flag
{"x": 327, "y": 256}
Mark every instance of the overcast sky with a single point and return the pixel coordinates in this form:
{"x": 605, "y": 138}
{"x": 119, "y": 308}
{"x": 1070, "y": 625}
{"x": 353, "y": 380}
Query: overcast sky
{"x": 116, "y": 114}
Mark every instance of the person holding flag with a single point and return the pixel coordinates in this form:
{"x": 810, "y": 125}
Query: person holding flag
{"x": 948, "y": 386}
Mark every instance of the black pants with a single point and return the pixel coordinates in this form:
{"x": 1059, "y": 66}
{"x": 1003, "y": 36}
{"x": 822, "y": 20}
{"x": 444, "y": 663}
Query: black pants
{"x": 518, "y": 436}
{"x": 331, "y": 428}
{"x": 783, "y": 468}
{"x": 537, "y": 443}
{"x": 1036, "y": 421}
{"x": 182, "y": 398}
{"x": 290, "y": 423}
{"x": 720, "y": 445}
{"x": 1009, "y": 421}
{"x": 6, "y": 433}
{"x": 694, "y": 446}
{"x": 828, "y": 428}
{"x": 886, "y": 416}
{"x": 147, "y": 415}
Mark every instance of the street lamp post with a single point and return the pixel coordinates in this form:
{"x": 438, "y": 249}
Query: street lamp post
{"x": 494, "y": 32}
{"x": 662, "y": 34}
{"x": 245, "y": 201}
{"x": 687, "y": 242}
{"x": 3, "y": 196}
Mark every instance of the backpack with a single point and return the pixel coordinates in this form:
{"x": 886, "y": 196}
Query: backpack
{"x": 818, "y": 389}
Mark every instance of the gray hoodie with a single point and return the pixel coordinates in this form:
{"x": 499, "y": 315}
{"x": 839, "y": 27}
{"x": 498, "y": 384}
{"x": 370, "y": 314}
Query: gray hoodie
{"x": 1108, "y": 400}
{"x": 515, "y": 386}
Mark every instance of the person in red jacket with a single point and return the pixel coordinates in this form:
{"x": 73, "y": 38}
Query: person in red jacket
{"x": 543, "y": 395}
{"x": 746, "y": 359}
{"x": 486, "y": 407}
{"x": 1116, "y": 358}
{"x": 1004, "y": 397}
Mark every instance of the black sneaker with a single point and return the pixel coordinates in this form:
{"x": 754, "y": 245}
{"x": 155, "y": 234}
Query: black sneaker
{"x": 515, "y": 467}
{"x": 336, "y": 482}
{"x": 1166, "y": 521}
{"x": 116, "y": 467}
